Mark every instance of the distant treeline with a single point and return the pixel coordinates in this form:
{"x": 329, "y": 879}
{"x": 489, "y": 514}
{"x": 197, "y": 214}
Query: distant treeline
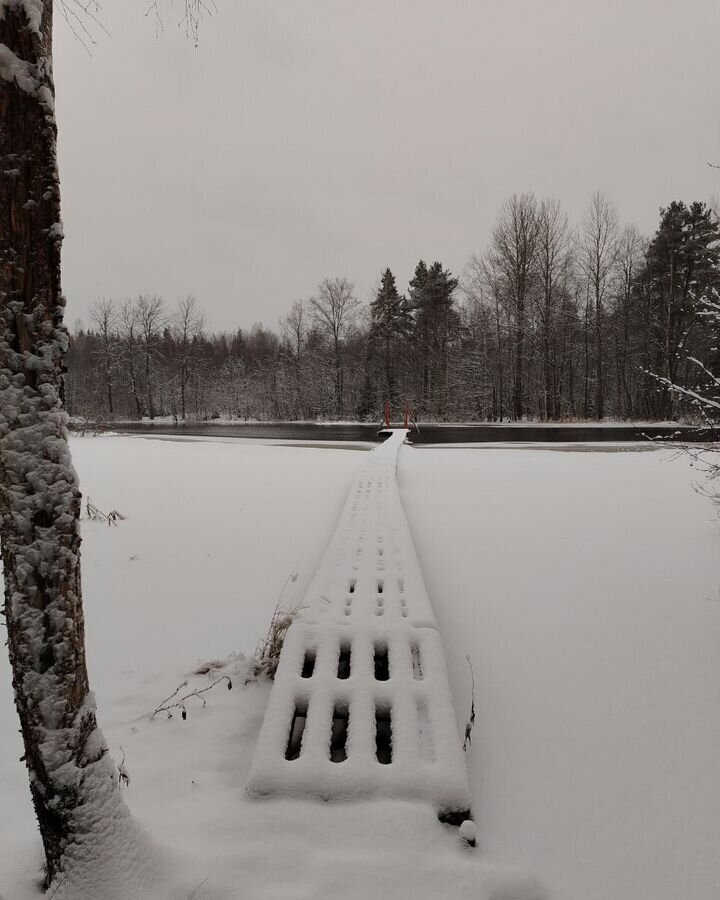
{"x": 550, "y": 322}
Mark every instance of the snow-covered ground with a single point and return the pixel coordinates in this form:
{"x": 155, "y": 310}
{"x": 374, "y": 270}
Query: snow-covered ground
{"x": 584, "y": 587}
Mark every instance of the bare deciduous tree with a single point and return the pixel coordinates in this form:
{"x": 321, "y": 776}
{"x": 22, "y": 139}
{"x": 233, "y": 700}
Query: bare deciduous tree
{"x": 512, "y": 259}
{"x": 294, "y": 328}
{"x": 103, "y": 315}
{"x": 188, "y": 324}
{"x": 129, "y": 331}
{"x": 597, "y": 251}
{"x": 335, "y": 310}
{"x": 630, "y": 249}
{"x": 553, "y": 259}
{"x": 150, "y": 318}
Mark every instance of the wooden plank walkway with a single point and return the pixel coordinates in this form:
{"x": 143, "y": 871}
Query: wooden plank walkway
{"x": 361, "y": 706}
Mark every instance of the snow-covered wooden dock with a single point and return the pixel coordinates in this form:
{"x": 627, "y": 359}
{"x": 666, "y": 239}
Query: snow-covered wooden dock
{"x": 361, "y": 705}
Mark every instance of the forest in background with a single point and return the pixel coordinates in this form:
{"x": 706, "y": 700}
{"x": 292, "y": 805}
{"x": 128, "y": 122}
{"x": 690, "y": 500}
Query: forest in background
{"x": 551, "y": 322}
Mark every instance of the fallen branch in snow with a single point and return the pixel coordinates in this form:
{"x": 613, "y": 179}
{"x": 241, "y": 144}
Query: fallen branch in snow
{"x": 112, "y": 518}
{"x": 167, "y": 699}
{"x": 166, "y": 706}
{"x": 469, "y": 726}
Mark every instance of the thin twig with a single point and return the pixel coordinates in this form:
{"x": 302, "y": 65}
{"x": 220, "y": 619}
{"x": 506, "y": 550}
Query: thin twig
{"x": 180, "y": 702}
{"x": 195, "y": 892}
{"x": 174, "y": 694}
{"x": 57, "y": 887}
{"x": 471, "y": 722}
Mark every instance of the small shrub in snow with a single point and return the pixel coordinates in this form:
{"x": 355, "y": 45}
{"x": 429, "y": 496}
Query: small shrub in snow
{"x": 178, "y": 702}
{"x": 97, "y": 515}
{"x": 183, "y": 695}
{"x": 267, "y": 653}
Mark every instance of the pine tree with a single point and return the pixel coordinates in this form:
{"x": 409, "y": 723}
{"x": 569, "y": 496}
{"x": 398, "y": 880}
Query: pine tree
{"x": 436, "y": 322}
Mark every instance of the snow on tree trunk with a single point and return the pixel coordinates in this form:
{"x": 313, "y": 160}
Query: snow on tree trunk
{"x": 73, "y": 781}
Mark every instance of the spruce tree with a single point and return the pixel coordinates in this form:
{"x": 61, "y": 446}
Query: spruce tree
{"x": 390, "y": 324}
{"x": 681, "y": 268}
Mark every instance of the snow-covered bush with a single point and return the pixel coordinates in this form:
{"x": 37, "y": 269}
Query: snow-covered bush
{"x": 704, "y": 396}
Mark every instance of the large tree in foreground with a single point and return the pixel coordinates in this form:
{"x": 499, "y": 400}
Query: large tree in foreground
{"x": 73, "y": 781}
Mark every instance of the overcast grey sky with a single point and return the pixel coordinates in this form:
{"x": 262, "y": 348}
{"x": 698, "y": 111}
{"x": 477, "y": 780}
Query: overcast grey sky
{"x": 306, "y": 138}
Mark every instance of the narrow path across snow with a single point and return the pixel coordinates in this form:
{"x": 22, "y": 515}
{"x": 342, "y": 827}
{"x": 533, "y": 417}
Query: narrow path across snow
{"x": 361, "y": 704}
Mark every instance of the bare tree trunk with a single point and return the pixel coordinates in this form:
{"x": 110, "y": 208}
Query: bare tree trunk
{"x": 65, "y": 753}
{"x": 518, "y": 384}
{"x": 598, "y": 251}
{"x": 133, "y": 383}
{"x": 600, "y": 351}
{"x": 148, "y": 384}
{"x": 183, "y": 384}
{"x": 500, "y": 372}
{"x": 586, "y": 366}
{"x": 339, "y": 399}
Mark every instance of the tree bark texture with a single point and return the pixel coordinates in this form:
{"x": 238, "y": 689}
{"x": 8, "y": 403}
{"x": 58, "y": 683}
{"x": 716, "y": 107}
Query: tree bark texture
{"x": 39, "y": 497}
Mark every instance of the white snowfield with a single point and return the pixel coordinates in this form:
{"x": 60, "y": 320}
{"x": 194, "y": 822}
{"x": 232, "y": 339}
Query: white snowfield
{"x": 361, "y": 704}
{"x": 583, "y": 586}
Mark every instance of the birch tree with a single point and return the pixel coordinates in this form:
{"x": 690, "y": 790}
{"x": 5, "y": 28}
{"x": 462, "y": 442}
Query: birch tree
{"x": 597, "y": 251}
{"x": 512, "y": 259}
{"x": 335, "y": 309}
{"x": 151, "y": 318}
{"x": 628, "y": 263}
{"x": 188, "y": 324}
{"x": 552, "y": 263}
{"x": 103, "y": 315}
{"x": 129, "y": 332}
{"x": 294, "y": 328}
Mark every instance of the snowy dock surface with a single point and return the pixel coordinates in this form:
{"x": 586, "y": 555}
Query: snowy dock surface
{"x": 361, "y": 704}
